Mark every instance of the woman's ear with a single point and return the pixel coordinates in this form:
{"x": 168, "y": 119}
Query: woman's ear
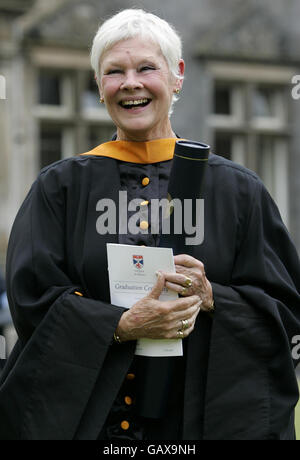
{"x": 98, "y": 84}
{"x": 181, "y": 68}
{"x": 179, "y": 80}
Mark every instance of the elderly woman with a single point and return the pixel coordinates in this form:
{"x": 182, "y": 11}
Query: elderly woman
{"x": 73, "y": 373}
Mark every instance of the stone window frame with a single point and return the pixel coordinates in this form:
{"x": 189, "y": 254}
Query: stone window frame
{"x": 78, "y": 123}
{"x": 248, "y": 131}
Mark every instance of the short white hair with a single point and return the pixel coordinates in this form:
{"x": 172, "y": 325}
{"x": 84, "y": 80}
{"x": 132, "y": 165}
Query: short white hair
{"x": 131, "y": 23}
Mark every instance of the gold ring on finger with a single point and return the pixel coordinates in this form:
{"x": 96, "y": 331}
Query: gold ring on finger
{"x": 183, "y": 291}
{"x": 188, "y": 282}
{"x": 184, "y": 324}
{"x": 180, "y": 334}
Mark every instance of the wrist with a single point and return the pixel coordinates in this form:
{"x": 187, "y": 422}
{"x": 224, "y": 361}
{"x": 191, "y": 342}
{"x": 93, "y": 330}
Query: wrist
{"x": 120, "y": 334}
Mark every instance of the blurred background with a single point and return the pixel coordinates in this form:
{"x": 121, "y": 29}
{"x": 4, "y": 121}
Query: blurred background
{"x": 241, "y": 57}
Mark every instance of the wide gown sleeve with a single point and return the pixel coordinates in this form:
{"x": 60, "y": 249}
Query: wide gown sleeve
{"x": 256, "y": 320}
{"x": 65, "y": 340}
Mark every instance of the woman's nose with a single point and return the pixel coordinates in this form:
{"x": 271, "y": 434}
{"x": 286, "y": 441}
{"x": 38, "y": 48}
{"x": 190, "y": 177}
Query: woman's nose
{"x": 131, "y": 81}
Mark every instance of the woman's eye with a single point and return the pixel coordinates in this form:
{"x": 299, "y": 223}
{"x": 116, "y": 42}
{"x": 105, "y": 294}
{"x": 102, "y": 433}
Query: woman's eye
{"x": 147, "y": 67}
{"x": 111, "y": 72}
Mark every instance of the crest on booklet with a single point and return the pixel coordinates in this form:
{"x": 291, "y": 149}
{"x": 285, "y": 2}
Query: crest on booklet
{"x": 138, "y": 261}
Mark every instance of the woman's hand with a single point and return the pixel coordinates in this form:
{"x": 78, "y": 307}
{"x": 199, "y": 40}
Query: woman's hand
{"x": 190, "y": 280}
{"x": 154, "y": 319}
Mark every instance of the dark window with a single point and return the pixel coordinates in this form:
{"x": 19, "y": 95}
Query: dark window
{"x": 49, "y": 88}
{"x": 50, "y": 145}
{"x": 222, "y": 102}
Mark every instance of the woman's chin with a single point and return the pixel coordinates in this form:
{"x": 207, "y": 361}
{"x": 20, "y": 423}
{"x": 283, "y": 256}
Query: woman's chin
{"x": 144, "y": 131}
{"x": 136, "y": 131}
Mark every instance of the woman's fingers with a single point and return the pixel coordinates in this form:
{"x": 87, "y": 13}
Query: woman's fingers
{"x": 158, "y": 286}
{"x": 188, "y": 316}
{"x": 182, "y": 284}
{"x": 179, "y": 288}
{"x": 151, "y": 318}
{"x": 182, "y": 313}
{"x": 187, "y": 261}
{"x": 184, "y": 325}
{"x": 190, "y": 279}
{"x": 181, "y": 304}
{"x": 179, "y": 279}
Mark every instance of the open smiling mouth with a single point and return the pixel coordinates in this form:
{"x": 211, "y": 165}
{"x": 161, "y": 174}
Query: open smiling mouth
{"x": 137, "y": 103}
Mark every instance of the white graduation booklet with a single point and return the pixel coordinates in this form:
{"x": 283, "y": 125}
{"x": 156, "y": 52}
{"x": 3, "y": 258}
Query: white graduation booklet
{"x": 132, "y": 276}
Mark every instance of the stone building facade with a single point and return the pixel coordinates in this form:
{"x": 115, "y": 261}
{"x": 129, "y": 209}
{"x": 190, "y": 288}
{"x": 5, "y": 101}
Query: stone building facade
{"x": 241, "y": 57}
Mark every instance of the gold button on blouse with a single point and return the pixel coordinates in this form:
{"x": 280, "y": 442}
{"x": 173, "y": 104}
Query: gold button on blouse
{"x": 144, "y": 225}
{"x": 128, "y": 400}
{"x": 125, "y": 425}
{"x": 130, "y": 376}
{"x": 145, "y": 181}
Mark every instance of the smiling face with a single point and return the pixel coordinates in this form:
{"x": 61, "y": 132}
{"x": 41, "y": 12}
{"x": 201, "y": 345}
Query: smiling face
{"x": 137, "y": 88}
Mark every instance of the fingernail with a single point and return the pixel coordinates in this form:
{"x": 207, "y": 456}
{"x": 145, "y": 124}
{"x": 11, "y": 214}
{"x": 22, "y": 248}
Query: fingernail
{"x": 158, "y": 273}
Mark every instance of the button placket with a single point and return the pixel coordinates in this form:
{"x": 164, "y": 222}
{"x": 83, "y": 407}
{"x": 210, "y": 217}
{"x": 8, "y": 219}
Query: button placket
{"x": 123, "y": 421}
{"x": 144, "y": 210}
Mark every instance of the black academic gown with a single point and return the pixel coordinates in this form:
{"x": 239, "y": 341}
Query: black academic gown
{"x": 64, "y": 373}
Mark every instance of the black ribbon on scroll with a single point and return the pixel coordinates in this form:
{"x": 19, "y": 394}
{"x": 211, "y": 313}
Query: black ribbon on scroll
{"x": 161, "y": 382}
{"x": 184, "y": 226}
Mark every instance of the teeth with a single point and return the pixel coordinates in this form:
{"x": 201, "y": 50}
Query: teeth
{"x": 137, "y": 102}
